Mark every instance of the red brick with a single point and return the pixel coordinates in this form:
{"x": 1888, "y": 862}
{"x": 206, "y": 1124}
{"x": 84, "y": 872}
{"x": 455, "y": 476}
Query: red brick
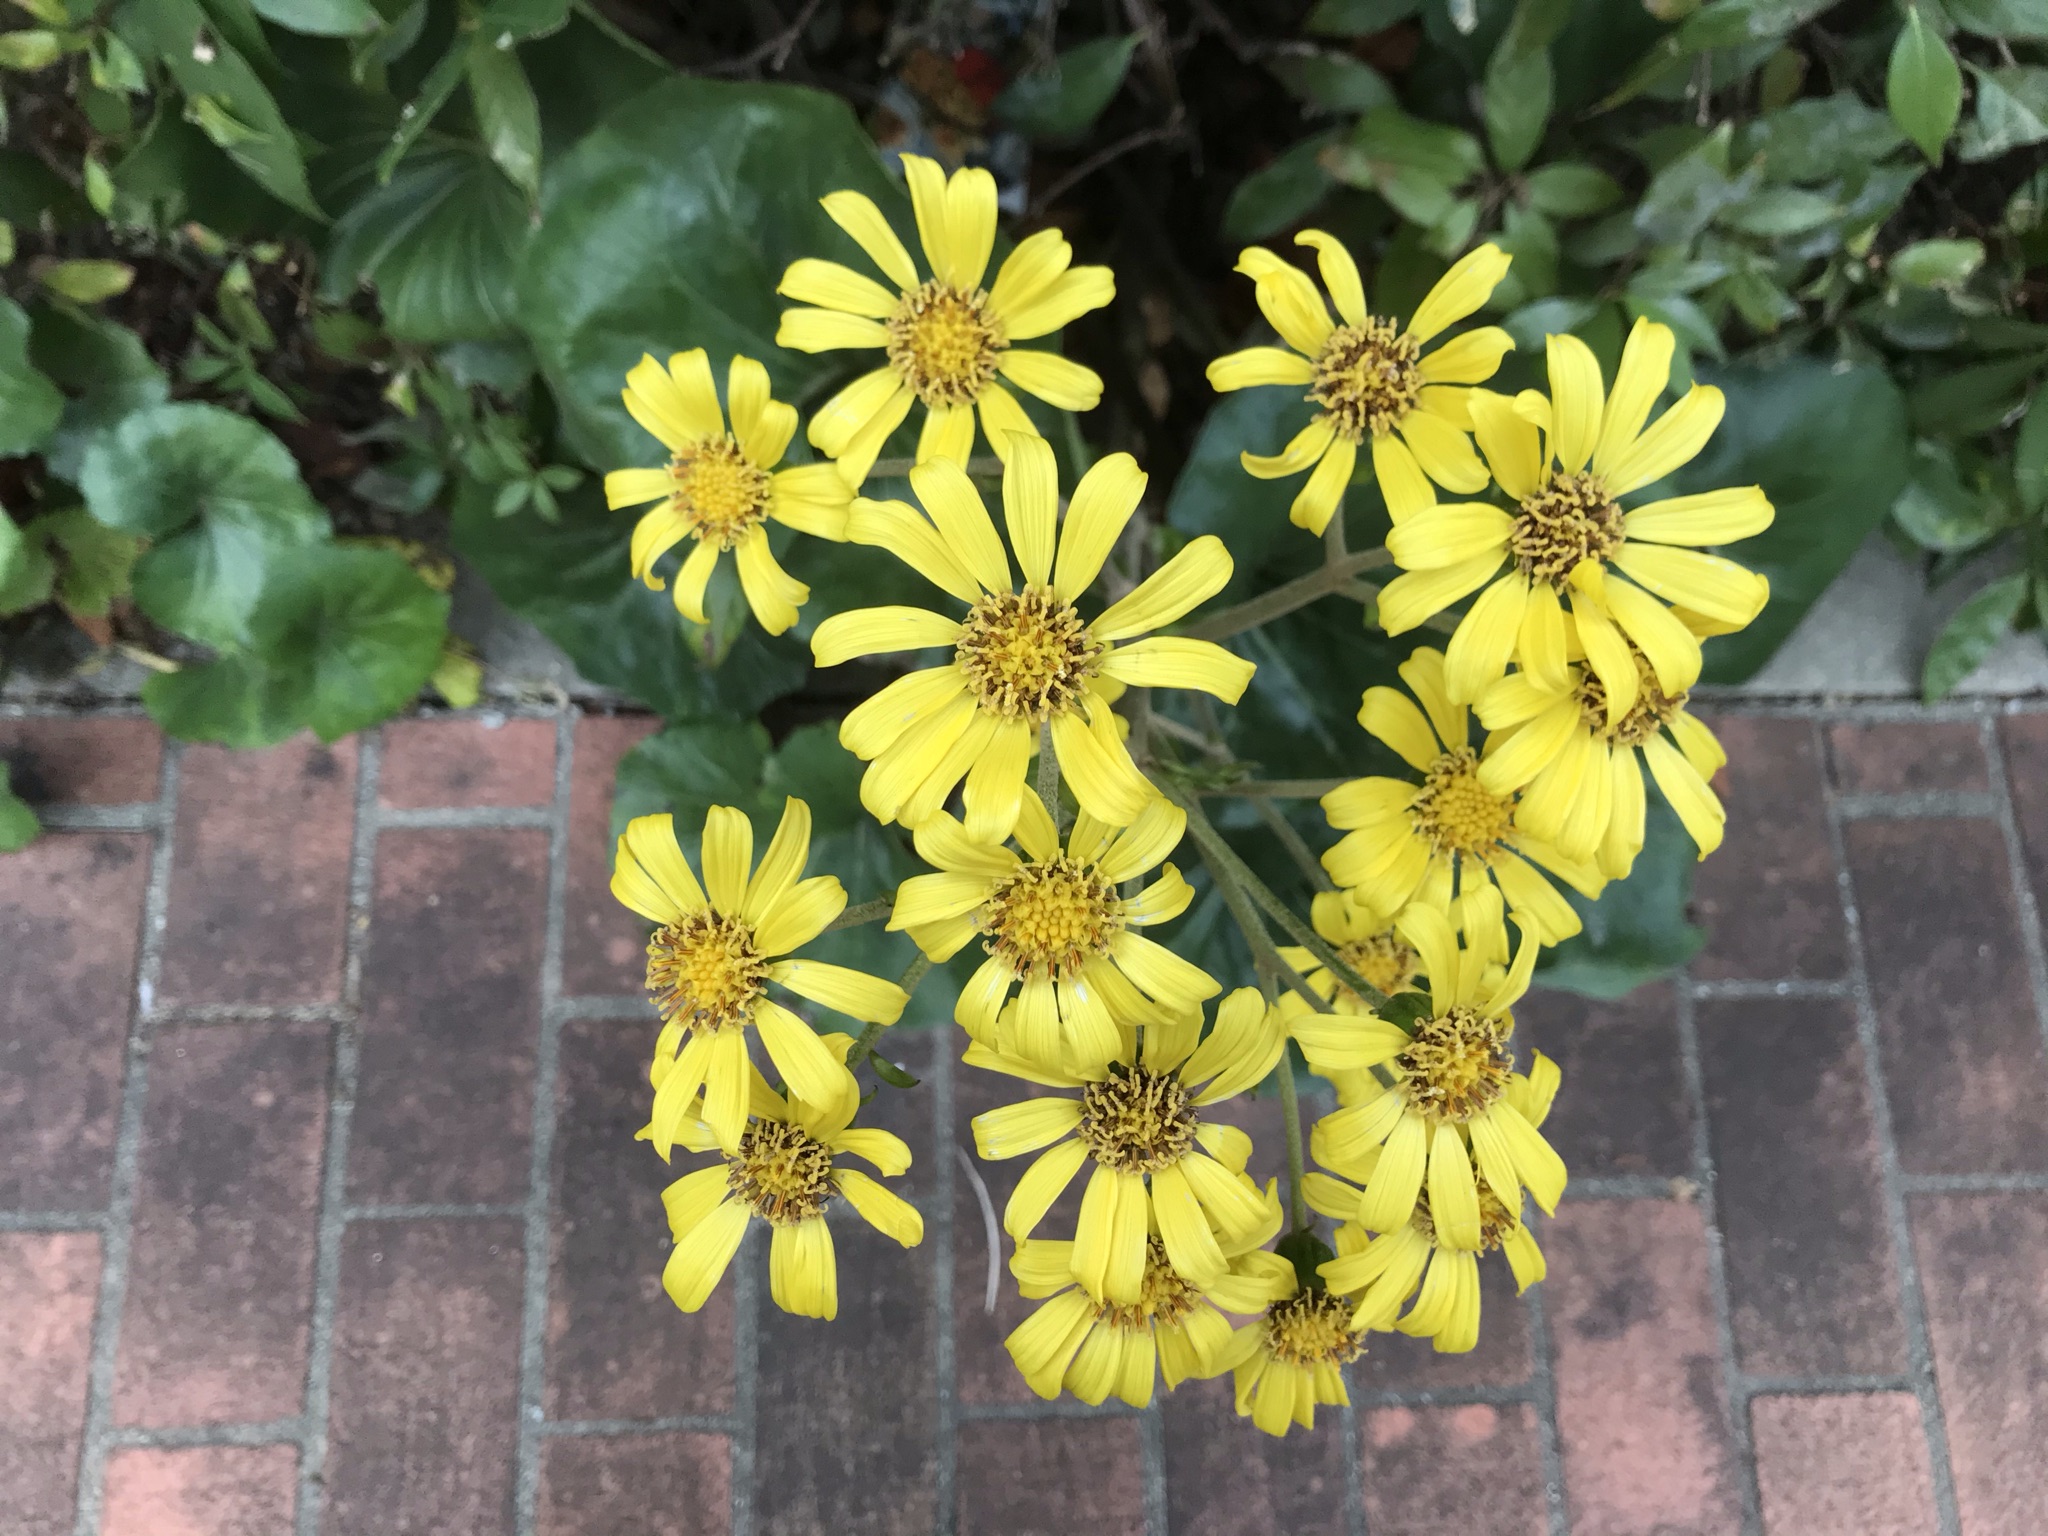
{"x": 847, "y": 1430}
{"x": 1622, "y": 1107}
{"x": 82, "y": 760}
{"x": 424, "y": 1418}
{"x": 635, "y": 1485}
{"x": 1051, "y": 1477}
{"x": 206, "y": 1490}
{"x": 1811, "y": 1278}
{"x": 70, "y": 918}
{"x": 1647, "y": 1445}
{"x": 1768, "y": 896}
{"x": 451, "y": 1016}
{"x": 1225, "y": 1478}
{"x": 1476, "y": 1470}
{"x": 220, "y": 1269}
{"x": 1961, "y": 1045}
{"x": 604, "y": 946}
{"x": 51, "y": 1282}
{"x": 466, "y": 761}
{"x": 2025, "y": 739}
{"x": 1984, "y": 1275}
{"x": 1907, "y": 757}
{"x": 1842, "y": 1466}
{"x": 259, "y": 881}
{"x": 617, "y": 1346}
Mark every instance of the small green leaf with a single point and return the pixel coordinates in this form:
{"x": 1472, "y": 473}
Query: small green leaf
{"x": 1566, "y": 190}
{"x": 1331, "y": 82}
{"x": 27, "y": 573}
{"x": 1975, "y": 399}
{"x": 417, "y": 115}
{"x": 1936, "y": 263}
{"x": 1924, "y": 86}
{"x": 1280, "y": 193}
{"x": 2030, "y": 456}
{"x": 2000, "y": 18}
{"x": 2011, "y": 112}
{"x": 506, "y": 112}
{"x": 1781, "y": 212}
{"x": 30, "y": 404}
{"x": 890, "y": 1073}
{"x": 88, "y": 281}
{"x": 1970, "y": 634}
{"x": 1415, "y": 166}
{"x": 18, "y": 824}
{"x": 1938, "y": 511}
{"x": 1517, "y": 97}
{"x": 522, "y": 19}
{"x": 30, "y": 51}
{"x": 1689, "y": 194}
{"x": 1064, "y": 101}
{"x": 322, "y": 18}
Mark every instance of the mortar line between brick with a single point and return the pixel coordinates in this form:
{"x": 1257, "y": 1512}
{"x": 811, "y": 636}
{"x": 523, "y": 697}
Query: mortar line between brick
{"x": 1792, "y": 986}
{"x": 541, "y": 1144}
{"x": 1354, "y": 1462}
{"x": 143, "y": 816}
{"x": 1919, "y": 1354}
{"x": 1733, "y": 1405}
{"x": 1152, "y": 1464}
{"x": 1058, "y": 1408}
{"x": 1973, "y": 1183}
{"x": 114, "y": 1241}
{"x": 353, "y": 1213}
{"x": 202, "y": 1014}
{"x": 53, "y": 1221}
{"x": 1924, "y": 803}
{"x": 1827, "y": 709}
{"x": 465, "y": 817}
{"x": 341, "y": 1103}
{"x": 268, "y": 1432}
{"x": 1815, "y": 1386}
{"x": 746, "y": 1350}
{"x": 946, "y": 1446}
{"x": 610, "y": 1429}
{"x": 1447, "y": 1397}
{"x": 2031, "y": 942}
{"x": 1628, "y": 1186}
{"x": 1543, "y": 1393}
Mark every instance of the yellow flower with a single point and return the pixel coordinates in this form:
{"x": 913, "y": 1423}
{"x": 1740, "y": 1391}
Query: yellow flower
{"x": 785, "y": 1171}
{"x": 1406, "y": 842}
{"x": 1566, "y": 462}
{"x": 1370, "y": 377}
{"x": 945, "y": 339}
{"x": 1159, "y": 1166}
{"x": 711, "y": 959}
{"x": 1578, "y": 762}
{"x": 1293, "y": 1358}
{"x": 1364, "y": 940}
{"x": 722, "y": 488}
{"x": 1383, "y": 1272}
{"x": 1450, "y": 1104}
{"x": 1054, "y": 926}
{"x": 1021, "y": 658}
{"x": 1175, "y": 1330}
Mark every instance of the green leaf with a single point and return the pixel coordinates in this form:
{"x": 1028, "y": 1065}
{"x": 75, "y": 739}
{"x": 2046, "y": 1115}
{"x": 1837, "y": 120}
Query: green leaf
{"x": 1553, "y": 316}
{"x": 419, "y": 113}
{"x": 632, "y": 256}
{"x": 689, "y": 767}
{"x": 1637, "y": 930}
{"x": 1518, "y": 94}
{"x": 1970, "y": 634}
{"x": 27, "y": 573}
{"x": 104, "y": 367}
{"x": 2011, "y": 112}
{"x": 1924, "y": 86}
{"x": 88, "y": 281}
{"x": 1331, "y": 82}
{"x": 235, "y": 108}
{"x": 1215, "y": 495}
{"x": 322, "y": 18}
{"x": 1415, "y": 166}
{"x": 441, "y": 241}
{"x": 1565, "y": 190}
{"x": 1830, "y": 450}
{"x": 506, "y": 112}
{"x": 2000, "y": 18}
{"x": 27, "y": 52}
{"x": 1064, "y": 101}
{"x": 1358, "y": 18}
{"x": 1974, "y": 399}
{"x": 30, "y": 404}
{"x": 1820, "y": 138}
{"x": 1282, "y": 192}
{"x": 1938, "y": 511}
{"x": 1778, "y": 212}
{"x": 522, "y": 19}
{"x": 2030, "y": 457}
{"x": 1936, "y": 263}
{"x": 18, "y": 824}
{"x": 344, "y": 636}
{"x": 1690, "y": 193}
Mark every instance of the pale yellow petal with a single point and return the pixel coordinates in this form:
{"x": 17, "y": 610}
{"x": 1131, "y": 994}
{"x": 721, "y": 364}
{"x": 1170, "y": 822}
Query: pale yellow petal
{"x": 898, "y": 527}
{"x": 1058, "y": 381}
{"x": 1070, "y": 296}
{"x": 1258, "y": 365}
{"x": 956, "y": 509}
{"x": 1170, "y": 661}
{"x": 1638, "y": 385}
{"x": 827, "y": 330}
{"x": 1340, "y": 274}
{"x": 1444, "y": 453}
{"x": 1414, "y": 596}
{"x": 1705, "y": 583}
{"x": 1577, "y": 399}
{"x": 1096, "y": 515}
{"x": 1303, "y": 449}
{"x": 1672, "y": 439}
{"x": 1402, "y": 483}
{"x": 1320, "y": 499}
{"x": 1472, "y": 358}
{"x": 1713, "y": 517}
{"x": 1460, "y": 291}
{"x": 1031, "y": 506}
{"x": 1197, "y": 572}
{"x": 857, "y": 214}
{"x": 1511, "y": 443}
{"x": 830, "y": 286}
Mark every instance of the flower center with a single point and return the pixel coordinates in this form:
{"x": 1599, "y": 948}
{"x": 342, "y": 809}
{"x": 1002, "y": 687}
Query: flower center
{"x": 719, "y": 489}
{"x": 1454, "y": 812}
{"x": 1572, "y": 518}
{"x": 1138, "y": 1121}
{"x": 1646, "y": 717}
{"x": 1457, "y": 1065}
{"x": 1052, "y": 917}
{"x": 1165, "y": 1299}
{"x": 943, "y": 343}
{"x": 1028, "y": 655}
{"x": 1496, "y": 1221}
{"x": 1366, "y": 378}
{"x": 1312, "y": 1328}
{"x": 705, "y": 971}
{"x": 1385, "y": 959}
{"x": 782, "y": 1171}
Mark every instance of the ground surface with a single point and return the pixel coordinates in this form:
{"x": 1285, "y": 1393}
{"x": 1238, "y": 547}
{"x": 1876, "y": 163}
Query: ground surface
{"x": 320, "y": 1209}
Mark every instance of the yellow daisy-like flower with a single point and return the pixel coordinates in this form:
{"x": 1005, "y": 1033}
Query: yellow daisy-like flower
{"x": 1293, "y": 1358}
{"x": 716, "y": 949}
{"x": 722, "y": 488}
{"x": 1175, "y": 1331}
{"x": 945, "y": 338}
{"x": 1406, "y": 841}
{"x": 1370, "y": 377}
{"x": 1449, "y": 1106}
{"x": 786, "y": 1171}
{"x": 1566, "y": 462}
{"x": 1056, "y": 929}
{"x": 1022, "y": 658}
{"x": 1384, "y": 1271}
{"x": 1579, "y": 765}
{"x": 1158, "y": 1165}
{"x": 1364, "y": 940}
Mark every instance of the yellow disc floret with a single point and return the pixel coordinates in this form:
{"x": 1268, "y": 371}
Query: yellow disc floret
{"x": 1570, "y": 518}
{"x": 705, "y": 971}
{"x": 1366, "y": 378}
{"x": 719, "y": 490}
{"x": 944, "y": 343}
{"x": 1386, "y": 960}
{"x": 1645, "y": 718}
{"x": 782, "y": 1171}
{"x": 1137, "y": 1121}
{"x": 1167, "y": 1297}
{"x": 1052, "y": 918}
{"x": 1457, "y": 1065}
{"x": 1313, "y": 1328}
{"x": 1027, "y": 655}
{"x": 1454, "y": 812}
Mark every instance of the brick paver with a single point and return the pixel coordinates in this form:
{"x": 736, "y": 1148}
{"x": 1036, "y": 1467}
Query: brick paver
{"x": 320, "y": 1211}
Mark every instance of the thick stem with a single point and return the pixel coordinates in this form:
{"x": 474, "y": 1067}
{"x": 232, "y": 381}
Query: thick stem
{"x": 864, "y": 1043}
{"x": 896, "y": 469}
{"x": 1274, "y": 789}
{"x": 1303, "y": 856}
{"x": 1332, "y": 576}
{"x": 1290, "y": 1104}
{"x": 867, "y": 912}
{"x": 1048, "y": 773}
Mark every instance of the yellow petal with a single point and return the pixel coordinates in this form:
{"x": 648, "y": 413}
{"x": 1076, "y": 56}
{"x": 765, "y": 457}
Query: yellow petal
{"x": 1673, "y": 439}
{"x": 856, "y": 213}
{"x": 784, "y": 861}
{"x": 1031, "y": 497}
{"x": 803, "y": 912}
{"x": 1453, "y": 533}
{"x": 888, "y": 1213}
{"x": 1058, "y": 381}
{"x": 1319, "y": 500}
{"x": 773, "y": 594}
{"x": 1427, "y": 676}
{"x": 1453, "y": 1194}
{"x": 854, "y": 993}
{"x": 636, "y": 487}
{"x": 1395, "y": 719}
{"x": 761, "y": 424}
{"x": 1577, "y": 399}
{"x": 858, "y": 456}
{"x": 677, "y": 404}
{"x": 1444, "y": 453}
{"x": 956, "y": 509}
{"x": 835, "y": 423}
{"x": 1043, "y": 1183}
{"x": 1485, "y": 639}
{"x": 897, "y": 526}
{"x": 1104, "y": 779}
{"x": 1460, "y": 291}
{"x": 1390, "y": 1194}
{"x": 927, "y": 183}
{"x": 1196, "y": 573}
{"x": 1414, "y": 596}
{"x": 970, "y": 225}
{"x": 1096, "y": 514}
{"x": 1705, "y": 583}
{"x": 811, "y": 498}
{"x": 1689, "y": 794}
{"x": 830, "y": 286}
{"x": 1340, "y": 274}
{"x": 1472, "y": 358}
{"x": 695, "y": 1268}
{"x": 947, "y": 433}
{"x": 1402, "y": 483}
{"x": 827, "y": 330}
{"x": 1511, "y": 443}
{"x": 1031, "y": 268}
{"x": 1517, "y": 758}
{"x": 1608, "y": 655}
{"x": 803, "y": 1276}
{"x": 874, "y": 724}
{"x": 1258, "y": 365}
{"x": 1672, "y": 649}
{"x": 1712, "y": 517}
{"x": 1540, "y": 648}
{"x": 1303, "y": 449}
{"x": 1288, "y": 300}
{"x": 1025, "y": 1126}
{"x": 1002, "y": 418}
{"x": 994, "y": 794}
{"x": 1070, "y": 296}
{"x": 1638, "y": 385}
{"x": 651, "y": 841}
{"x": 1169, "y": 661}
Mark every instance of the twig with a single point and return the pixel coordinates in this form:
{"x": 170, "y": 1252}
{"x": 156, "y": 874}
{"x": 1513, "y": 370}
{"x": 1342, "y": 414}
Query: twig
{"x": 1303, "y": 856}
{"x": 1274, "y": 789}
{"x": 1048, "y": 773}
{"x": 1331, "y": 576}
{"x": 896, "y": 469}
{"x": 1290, "y": 1107}
{"x": 988, "y": 1222}
{"x": 775, "y": 51}
{"x": 867, "y": 912}
{"x": 1170, "y": 129}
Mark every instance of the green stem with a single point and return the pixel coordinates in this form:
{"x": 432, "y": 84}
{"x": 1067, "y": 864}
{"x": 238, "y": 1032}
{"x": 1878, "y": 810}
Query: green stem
{"x": 1290, "y": 1104}
{"x": 867, "y": 912}
{"x": 1275, "y": 789}
{"x": 1303, "y": 856}
{"x": 864, "y": 1043}
{"x": 1332, "y": 576}
{"x": 896, "y": 469}
{"x": 1048, "y": 773}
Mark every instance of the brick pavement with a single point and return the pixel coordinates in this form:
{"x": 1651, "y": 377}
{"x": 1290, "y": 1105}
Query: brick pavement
{"x": 320, "y": 1213}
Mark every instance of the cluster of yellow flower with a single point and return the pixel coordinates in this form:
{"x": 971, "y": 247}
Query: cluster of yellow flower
{"x": 1577, "y": 653}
